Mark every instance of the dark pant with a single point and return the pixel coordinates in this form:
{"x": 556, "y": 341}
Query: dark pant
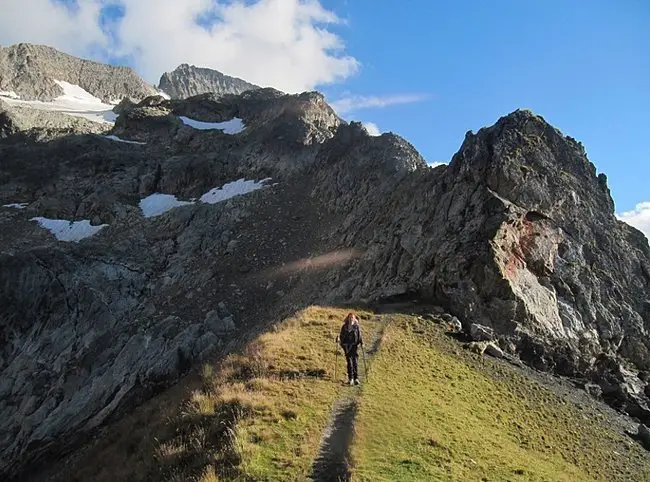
{"x": 351, "y": 357}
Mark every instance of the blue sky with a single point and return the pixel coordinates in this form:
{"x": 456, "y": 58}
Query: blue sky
{"x": 432, "y": 69}
{"x": 582, "y": 65}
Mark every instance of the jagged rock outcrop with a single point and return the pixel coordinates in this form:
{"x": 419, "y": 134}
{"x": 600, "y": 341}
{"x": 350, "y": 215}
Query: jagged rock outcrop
{"x": 517, "y": 234}
{"x": 189, "y": 80}
{"x": 30, "y": 71}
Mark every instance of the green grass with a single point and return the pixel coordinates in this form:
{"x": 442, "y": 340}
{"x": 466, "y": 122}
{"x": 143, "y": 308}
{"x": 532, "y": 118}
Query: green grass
{"x": 429, "y": 411}
{"x": 432, "y": 411}
{"x": 282, "y": 387}
{"x": 281, "y": 442}
{"x": 258, "y": 414}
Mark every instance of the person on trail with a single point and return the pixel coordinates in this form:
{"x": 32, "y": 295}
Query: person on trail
{"x": 350, "y": 339}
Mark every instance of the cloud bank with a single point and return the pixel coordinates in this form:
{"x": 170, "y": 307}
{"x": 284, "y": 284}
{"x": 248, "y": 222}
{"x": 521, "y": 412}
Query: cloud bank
{"x": 354, "y": 103}
{"x": 284, "y": 44}
{"x": 639, "y": 218}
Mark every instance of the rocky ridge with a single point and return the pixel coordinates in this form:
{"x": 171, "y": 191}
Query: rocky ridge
{"x": 517, "y": 234}
{"x": 30, "y": 72}
{"x": 189, "y": 80}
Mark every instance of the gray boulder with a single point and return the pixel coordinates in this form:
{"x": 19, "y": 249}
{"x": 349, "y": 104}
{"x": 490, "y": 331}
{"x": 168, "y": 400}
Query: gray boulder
{"x": 593, "y": 389}
{"x": 644, "y": 435}
{"x": 481, "y": 332}
{"x": 220, "y": 321}
{"x": 621, "y": 387}
{"x": 493, "y": 350}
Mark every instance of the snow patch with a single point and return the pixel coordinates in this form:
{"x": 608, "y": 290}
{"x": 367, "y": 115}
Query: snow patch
{"x": 9, "y": 93}
{"x": 157, "y": 204}
{"x": 16, "y": 205}
{"x": 117, "y": 139}
{"x": 75, "y": 101}
{"x": 231, "y": 189}
{"x": 64, "y": 230}
{"x": 232, "y": 126}
{"x": 74, "y": 93}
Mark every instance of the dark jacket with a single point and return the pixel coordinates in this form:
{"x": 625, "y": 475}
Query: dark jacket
{"x": 350, "y": 336}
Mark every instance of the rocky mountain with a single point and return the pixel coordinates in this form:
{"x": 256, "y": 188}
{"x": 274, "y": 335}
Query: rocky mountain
{"x": 31, "y": 71}
{"x": 166, "y": 267}
{"x": 188, "y": 80}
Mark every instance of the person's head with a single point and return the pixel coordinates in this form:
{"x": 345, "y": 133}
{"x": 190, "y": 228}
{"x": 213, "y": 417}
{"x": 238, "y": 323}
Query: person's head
{"x": 351, "y": 318}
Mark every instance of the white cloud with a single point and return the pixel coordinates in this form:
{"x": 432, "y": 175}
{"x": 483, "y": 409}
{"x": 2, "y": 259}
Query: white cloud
{"x": 436, "y": 164}
{"x": 357, "y": 102}
{"x": 639, "y": 218}
{"x": 372, "y": 128}
{"x": 45, "y": 22}
{"x": 279, "y": 43}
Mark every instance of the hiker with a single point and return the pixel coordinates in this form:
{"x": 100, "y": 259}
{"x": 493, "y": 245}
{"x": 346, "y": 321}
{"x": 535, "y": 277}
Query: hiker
{"x": 350, "y": 339}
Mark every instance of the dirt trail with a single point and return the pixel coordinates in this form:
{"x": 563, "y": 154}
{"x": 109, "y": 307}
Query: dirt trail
{"x": 331, "y": 463}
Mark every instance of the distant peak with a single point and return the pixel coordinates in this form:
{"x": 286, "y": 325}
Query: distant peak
{"x": 189, "y": 80}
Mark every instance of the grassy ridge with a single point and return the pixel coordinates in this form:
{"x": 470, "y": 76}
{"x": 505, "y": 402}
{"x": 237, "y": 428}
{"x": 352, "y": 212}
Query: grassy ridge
{"x": 433, "y": 412}
{"x": 256, "y": 415}
{"x": 281, "y": 392}
{"x": 429, "y": 411}
{"x": 292, "y": 395}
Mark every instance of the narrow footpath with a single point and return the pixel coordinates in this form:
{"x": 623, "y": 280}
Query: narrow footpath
{"x": 332, "y": 462}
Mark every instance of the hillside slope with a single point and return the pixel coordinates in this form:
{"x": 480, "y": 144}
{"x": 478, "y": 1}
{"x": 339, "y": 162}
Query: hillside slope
{"x": 428, "y": 410}
{"x": 433, "y": 411}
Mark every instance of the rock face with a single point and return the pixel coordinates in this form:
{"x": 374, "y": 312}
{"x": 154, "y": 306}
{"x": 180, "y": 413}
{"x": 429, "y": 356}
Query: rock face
{"x": 188, "y": 80}
{"x": 516, "y": 234}
{"x": 90, "y": 328}
{"x": 30, "y": 71}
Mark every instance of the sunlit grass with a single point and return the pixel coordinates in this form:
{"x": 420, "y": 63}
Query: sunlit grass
{"x": 294, "y": 396}
{"x": 260, "y": 412}
{"x": 433, "y": 412}
{"x": 429, "y": 411}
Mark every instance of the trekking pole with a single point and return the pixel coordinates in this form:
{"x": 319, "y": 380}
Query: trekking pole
{"x": 336, "y": 358}
{"x": 363, "y": 355}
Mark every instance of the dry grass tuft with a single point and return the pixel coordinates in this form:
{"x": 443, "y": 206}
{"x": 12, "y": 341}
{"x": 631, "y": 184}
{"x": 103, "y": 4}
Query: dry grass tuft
{"x": 209, "y": 475}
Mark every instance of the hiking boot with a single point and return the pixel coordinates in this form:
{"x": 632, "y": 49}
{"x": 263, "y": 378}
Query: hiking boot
{"x": 351, "y": 382}
{"x": 356, "y": 381}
